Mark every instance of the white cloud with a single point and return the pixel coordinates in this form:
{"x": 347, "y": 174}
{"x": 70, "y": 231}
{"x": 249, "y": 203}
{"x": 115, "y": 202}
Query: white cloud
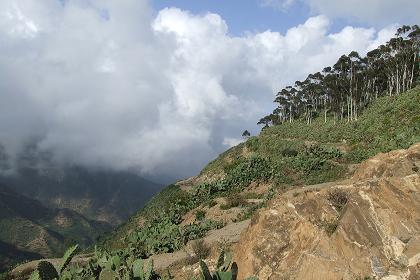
{"x": 158, "y": 95}
{"x": 277, "y": 4}
{"x": 231, "y": 141}
{"x": 374, "y": 12}
{"x": 370, "y": 11}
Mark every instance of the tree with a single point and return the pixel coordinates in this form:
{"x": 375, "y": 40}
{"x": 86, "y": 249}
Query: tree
{"x": 353, "y": 82}
{"x": 246, "y": 134}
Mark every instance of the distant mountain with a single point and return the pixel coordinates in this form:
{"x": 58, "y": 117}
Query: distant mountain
{"x": 29, "y": 230}
{"x": 106, "y": 196}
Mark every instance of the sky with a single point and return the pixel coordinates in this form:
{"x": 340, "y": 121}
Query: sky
{"x": 160, "y": 88}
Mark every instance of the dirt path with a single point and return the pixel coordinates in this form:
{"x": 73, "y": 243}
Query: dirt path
{"x": 296, "y": 191}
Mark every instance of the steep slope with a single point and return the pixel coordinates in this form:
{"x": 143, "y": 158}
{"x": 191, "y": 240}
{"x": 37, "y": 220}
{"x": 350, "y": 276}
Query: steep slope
{"x": 281, "y": 157}
{"x": 29, "y": 230}
{"x": 243, "y": 179}
{"x": 368, "y": 228}
{"x": 106, "y": 196}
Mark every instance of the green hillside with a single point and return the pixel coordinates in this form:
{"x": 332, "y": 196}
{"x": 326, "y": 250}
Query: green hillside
{"x": 283, "y": 156}
{"x": 29, "y": 230}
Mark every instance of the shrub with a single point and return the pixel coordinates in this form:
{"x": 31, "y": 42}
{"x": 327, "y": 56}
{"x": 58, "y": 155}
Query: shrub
{"x": 289, "y": 152}
{"x": 211, "y": 203}
{"x": 233, "y": 200}
{"x": 200, "y": 249}
{"x": 330, "y": 226}
{"x": 338, "y": 199}
{"x": 200, "y": 215}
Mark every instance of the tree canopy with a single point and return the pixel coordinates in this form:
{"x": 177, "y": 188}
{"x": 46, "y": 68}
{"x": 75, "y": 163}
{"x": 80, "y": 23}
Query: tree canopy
{"x": 341, "y": 91}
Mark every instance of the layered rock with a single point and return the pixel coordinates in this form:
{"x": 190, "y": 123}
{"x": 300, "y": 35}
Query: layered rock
{"x": 369, "y": 227}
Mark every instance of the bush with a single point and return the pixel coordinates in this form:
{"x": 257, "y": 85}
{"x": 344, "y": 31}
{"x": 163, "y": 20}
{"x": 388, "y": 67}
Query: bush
{"x": 234, "y": 200}
{"x": 330, "y": 226}
{"x": 289, "y": 152}
{"x": 200, "y": 251}
{"x": 338, "y": 199}
{"x": 200, "y": 215}
{"x": 211, "y": 203}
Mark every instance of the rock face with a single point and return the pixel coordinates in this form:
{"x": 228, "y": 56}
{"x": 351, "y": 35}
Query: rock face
{"x": 369, "y": 227}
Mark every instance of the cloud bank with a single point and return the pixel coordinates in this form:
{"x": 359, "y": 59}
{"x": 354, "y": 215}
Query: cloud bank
{"x": 374, "y": 12}
{"x": 112, "y": 84}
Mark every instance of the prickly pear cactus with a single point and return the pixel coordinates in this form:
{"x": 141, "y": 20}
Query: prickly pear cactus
{"x": 68, "y": 256}
{"x": 138, "y": 271}
{"x": 47, "y": 271}
{"x": 107, "y": 274}
{"x": 35, "y": 275}
{"x": 149, "y": 270}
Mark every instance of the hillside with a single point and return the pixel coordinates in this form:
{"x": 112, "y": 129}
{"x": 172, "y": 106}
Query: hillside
{"x": 283, "y": 157}
{"x": 105, "y": 196}
{"x": 29, "y": 230}
{"x": 286, "y": 156}
{"x": 298, "y": 171}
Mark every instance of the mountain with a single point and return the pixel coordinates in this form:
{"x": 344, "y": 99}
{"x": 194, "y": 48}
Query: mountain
{"x": 29, "y": 230}
{"x": 106, "y": 196}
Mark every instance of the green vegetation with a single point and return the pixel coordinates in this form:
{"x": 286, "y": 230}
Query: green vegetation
{"x": 200, "y": 215}
{"x": 46, "y": 271}
{"x": 345, "y": 89}
{"x": 123, "y": 265}
{"x": 102, "y": 266}
{"x": 390, "y": 123}
{"x": 225, "y": 269}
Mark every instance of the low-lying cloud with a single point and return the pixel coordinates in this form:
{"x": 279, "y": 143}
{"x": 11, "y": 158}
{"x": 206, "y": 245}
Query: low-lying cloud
{"x": 112, "y": 84}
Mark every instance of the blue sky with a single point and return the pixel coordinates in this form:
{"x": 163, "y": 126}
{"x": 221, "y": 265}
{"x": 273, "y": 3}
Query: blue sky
{"x": 242, "y": 15}
{"x": 252, "y": 16}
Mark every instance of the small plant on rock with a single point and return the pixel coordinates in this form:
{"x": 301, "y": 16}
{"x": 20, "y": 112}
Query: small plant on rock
{"x": 338, "y": 199}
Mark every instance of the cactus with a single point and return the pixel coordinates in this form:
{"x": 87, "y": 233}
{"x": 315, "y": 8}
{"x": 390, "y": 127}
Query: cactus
{"x": 116, "y": 262}
{"x": 47, "y": 271}
{"x": 35, "y": 276}
{"x": 205, "y": 272}
{"x": 68, "y": 256}
{"x": 225, "y": 269}
{"x": 140, "y": 273}
{"x": 107, "y": 274}
{"x": 149, "y": 270}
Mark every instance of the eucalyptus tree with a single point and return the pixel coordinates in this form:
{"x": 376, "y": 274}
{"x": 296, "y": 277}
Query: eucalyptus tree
{"x": 344, "y": 89}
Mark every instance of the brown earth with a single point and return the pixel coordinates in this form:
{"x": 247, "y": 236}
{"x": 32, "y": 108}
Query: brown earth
{"x": 312, "y": 234}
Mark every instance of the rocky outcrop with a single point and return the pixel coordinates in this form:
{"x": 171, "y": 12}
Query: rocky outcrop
{"x": 368, "y": 227}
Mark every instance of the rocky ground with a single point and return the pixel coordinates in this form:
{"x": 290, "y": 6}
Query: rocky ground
{"x": 366, "y": 227}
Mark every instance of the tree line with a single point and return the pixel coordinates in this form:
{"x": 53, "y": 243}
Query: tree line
{"x": 342, "y": 91}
